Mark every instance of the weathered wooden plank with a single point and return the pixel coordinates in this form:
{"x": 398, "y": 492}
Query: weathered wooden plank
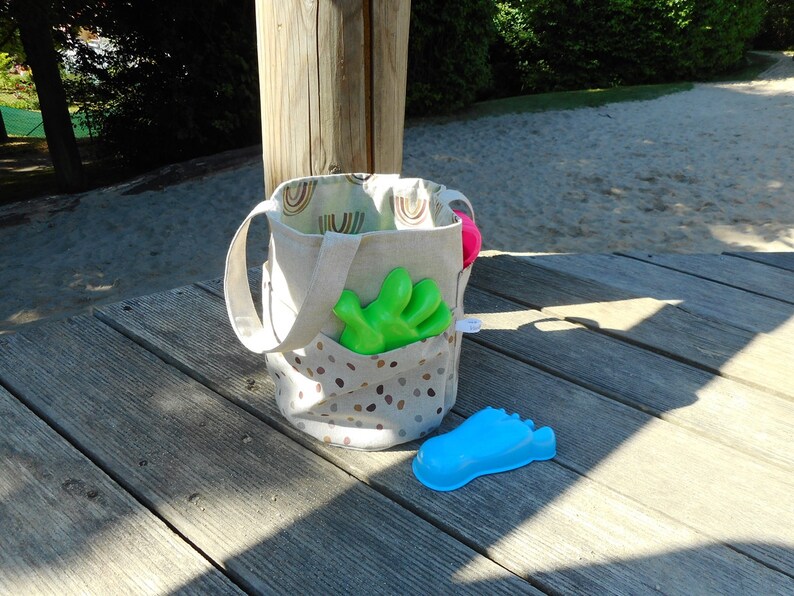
{"x": 729, "y": 496}
{"x": 534, "y": 535}
{"x": 737, "y": 415}
{"x": 783, "y": 260}
{"x": 708, "y": 299}
{"x": 742, "y": 416}
{"x": 734, "y": 353}
{"x": 390, "y": 71}
{"x": 750, "y": 276}
{"x": 275, "y": 516}
{"x": 67, "y": 528}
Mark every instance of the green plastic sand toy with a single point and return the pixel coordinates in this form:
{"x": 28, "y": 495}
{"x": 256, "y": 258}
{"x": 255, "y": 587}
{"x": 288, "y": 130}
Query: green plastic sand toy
{"x": 402, "y": 313}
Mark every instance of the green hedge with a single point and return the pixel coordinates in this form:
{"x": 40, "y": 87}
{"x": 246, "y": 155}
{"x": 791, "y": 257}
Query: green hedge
{"x": 571, "y": 44}
{"x": 777, "y": 28}
{"x": 448, "y": 66}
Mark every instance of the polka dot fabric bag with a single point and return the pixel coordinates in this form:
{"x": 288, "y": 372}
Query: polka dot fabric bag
{"x": 328, "y": 234}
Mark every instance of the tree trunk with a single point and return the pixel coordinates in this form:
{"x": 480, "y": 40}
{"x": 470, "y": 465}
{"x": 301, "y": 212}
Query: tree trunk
{"x": 3, "y": 131}
{"x": 35, "y": 32}
{"x": 332, "y": 78}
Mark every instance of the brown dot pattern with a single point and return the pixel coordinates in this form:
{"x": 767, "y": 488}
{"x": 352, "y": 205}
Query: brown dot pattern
{"x": 343, "y": 399}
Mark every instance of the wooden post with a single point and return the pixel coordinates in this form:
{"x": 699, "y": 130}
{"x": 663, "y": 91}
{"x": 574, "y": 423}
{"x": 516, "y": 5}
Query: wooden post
{"x": 332, "y": 79}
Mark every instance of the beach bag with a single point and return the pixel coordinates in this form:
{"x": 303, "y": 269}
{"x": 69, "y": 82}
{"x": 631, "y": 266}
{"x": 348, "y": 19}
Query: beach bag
{"x": 349, "y": 231}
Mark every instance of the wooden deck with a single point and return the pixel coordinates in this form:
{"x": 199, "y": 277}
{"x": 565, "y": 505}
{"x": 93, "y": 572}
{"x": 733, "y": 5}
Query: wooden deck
{"x": 141, "y": 449}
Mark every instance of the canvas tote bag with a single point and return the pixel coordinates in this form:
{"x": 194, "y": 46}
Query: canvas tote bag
{"x": 349, "y": 231}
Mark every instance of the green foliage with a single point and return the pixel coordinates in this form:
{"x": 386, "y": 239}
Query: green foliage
{"x": 6, "y": 78}
{"x": 569, "y": 44}
{"x": 777, "y": 28}
{"x": 16, "y": 91}
{"x": 178, "y": 79}
{"x": 448, "y": 65}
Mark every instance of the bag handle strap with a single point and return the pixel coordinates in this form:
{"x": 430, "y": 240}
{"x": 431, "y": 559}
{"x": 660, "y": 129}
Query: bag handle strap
{"x": 325, "y": 287}
{"x": 448, "y": 196}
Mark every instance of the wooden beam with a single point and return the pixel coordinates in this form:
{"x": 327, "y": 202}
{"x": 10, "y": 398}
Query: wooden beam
{"x": 332, "y": 86}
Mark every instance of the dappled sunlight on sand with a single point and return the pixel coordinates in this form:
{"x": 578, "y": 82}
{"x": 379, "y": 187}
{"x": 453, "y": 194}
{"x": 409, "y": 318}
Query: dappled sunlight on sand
{"x": 22, "y": 317}
{"x": 781, "y": 87}
{"x": 770, "y": 237}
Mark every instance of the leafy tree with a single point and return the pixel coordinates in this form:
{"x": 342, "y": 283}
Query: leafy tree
{"x": 448, "y": 64}
{"x": 175, "y": 80}
{"x": 34, "y": 20}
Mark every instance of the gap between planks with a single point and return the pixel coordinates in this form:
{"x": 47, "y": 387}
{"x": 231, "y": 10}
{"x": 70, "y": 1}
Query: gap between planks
{"x": 208, "y": 481}
{"x": 749, "y": 276}
{"x": 641, "y": 321}
{"x": 58, "y": 503}
{"x": 232, "y": 378}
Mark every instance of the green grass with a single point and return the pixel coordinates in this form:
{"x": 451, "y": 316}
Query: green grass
{"x": 753, "y": 65}
{"x": 8, "y": 98}
{"x": 571, "y": 100}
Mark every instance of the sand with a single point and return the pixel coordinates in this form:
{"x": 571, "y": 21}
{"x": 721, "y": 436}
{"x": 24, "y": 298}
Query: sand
{"x": 706, "y": 170}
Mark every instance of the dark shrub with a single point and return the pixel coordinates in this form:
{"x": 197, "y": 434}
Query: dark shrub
{"x": 448, "y": 54}
{"x": 568, "y": 44}
{"x": 777, "y": 28}
{"x": 179, "y": 80}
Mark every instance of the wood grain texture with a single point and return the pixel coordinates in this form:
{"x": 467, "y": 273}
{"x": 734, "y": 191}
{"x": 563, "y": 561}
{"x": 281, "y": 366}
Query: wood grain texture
{"x": 391, "y": 21}
{"x": 544, "y": 522}
{"x": 751, "y": 276}
{"x": 707, "y": 486}
{"x": 783, "y": 260}
{"x": 701, "y": 297}
{"x": 287, "y": 57}
{"x": 341, "y": 119}
{"x": 725, "y": 411}
{"x": 276, "y": 517}
{"x": 332, "y": 86}
{"x": 734, "y": 353}
{"x": 67, "y": 528}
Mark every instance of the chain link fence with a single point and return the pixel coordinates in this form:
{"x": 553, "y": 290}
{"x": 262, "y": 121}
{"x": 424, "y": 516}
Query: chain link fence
{"x": 27, "y": 123}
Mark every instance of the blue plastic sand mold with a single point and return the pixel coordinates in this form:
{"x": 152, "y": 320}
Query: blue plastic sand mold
{"x": 488, "y": 442}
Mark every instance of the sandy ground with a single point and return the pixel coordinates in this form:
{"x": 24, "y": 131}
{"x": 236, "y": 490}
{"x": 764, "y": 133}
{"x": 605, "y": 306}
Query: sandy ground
{"x": 707, "y": 170}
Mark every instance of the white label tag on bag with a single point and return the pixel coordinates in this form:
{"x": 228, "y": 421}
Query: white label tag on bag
{"x": 468, "y": 325}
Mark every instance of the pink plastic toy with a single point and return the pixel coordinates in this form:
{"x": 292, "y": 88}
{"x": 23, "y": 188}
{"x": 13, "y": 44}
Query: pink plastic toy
{"x": 472, "y": 239}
